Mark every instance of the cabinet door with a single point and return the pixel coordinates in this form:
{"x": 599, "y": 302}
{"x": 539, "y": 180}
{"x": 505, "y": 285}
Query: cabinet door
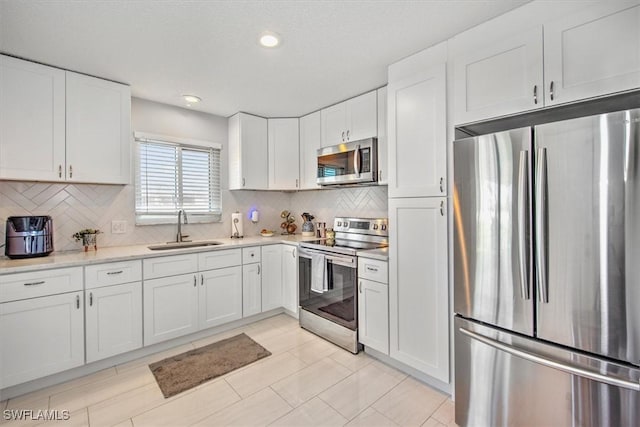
{"x": 373, "y": 315}
{"x": 32, "y": 126}
{"x": 284, "y": 141}
{"x": 418, "y": 288}
{"x": 383, "y": 146}
{"x": 271, "y": 277}
{"x": 248, "y": 152}
{"x": 591, "y": 53}
{"x": 503, "y": 77}
{"x": 418, "y": 134}
{"x": 309, "y": 145}
{"x": 334, "y": 124}
{"x": 113, "y": 319}
{"x": 290, "y": 278}
{"x": 220, "y": 296}
{"x": 251, "y": 289}
{"x": 362, "y": 117}
{"x": 98, "y": 130}
{"x": 40, "y": 336}
{"x": 170, "y": 307}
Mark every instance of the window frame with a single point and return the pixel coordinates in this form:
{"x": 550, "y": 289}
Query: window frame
{"x": 142, "y": 218}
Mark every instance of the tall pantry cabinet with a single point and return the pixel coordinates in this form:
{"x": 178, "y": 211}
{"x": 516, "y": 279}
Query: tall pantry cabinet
{"x": 418, "y": 262}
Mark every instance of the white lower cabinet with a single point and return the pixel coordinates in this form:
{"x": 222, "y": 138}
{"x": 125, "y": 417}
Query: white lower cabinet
{"x": 272, "y": 277}
{"x": 290, "y": 278}
{"x": 418, "y": 287}
{"x": 251, "y": 289}
{"x": 40, "y": 337}
{"x": 220, "y": 296}
{"x": 373, "y": 315}
{"x": 113, "y": 320}
{"x": 170, "y": 307}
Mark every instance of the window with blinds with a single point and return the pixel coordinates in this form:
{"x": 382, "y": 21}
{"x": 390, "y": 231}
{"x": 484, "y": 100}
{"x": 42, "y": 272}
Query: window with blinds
{"x": 171, "y": 176}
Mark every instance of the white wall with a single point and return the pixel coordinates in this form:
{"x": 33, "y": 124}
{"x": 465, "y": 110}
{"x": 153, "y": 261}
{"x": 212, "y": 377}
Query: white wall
{"x": 77, "y": 206}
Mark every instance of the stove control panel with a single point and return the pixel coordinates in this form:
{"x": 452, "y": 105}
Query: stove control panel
{"x": 372, "y": 226}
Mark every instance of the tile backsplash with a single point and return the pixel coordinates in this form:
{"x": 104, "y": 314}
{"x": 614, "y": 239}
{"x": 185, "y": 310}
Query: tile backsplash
{"x": 77, "y": 206}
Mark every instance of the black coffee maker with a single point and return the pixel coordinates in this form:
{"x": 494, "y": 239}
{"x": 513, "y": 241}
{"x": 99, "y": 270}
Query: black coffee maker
{"x": 29, "y": 236}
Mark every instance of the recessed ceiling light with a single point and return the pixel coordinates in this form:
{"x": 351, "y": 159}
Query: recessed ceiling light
{"x": 192, "y": 99}
{"x": 269, "y": 39}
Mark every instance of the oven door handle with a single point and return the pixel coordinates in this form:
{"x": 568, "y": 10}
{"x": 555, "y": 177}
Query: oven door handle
{"x": 347, "y": 262}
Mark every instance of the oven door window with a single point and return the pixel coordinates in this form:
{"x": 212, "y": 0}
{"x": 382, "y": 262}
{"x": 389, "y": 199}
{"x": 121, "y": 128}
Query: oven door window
{"x": 338, "y": 303}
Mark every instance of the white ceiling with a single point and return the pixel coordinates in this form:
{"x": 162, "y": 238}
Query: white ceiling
{"x": 331, "y": 50}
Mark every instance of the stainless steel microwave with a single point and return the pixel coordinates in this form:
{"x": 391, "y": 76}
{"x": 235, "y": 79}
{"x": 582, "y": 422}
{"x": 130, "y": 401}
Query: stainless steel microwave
{"x": 348, "y": 163}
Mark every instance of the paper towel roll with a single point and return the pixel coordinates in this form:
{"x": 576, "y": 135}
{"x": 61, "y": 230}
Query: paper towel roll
{"x": 236, "y": 225}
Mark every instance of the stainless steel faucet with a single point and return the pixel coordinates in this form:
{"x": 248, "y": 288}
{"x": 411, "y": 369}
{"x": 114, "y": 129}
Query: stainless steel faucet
{"x": 179, "y": 236}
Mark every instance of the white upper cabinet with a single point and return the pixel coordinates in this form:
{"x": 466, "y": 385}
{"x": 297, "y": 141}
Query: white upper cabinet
{"x": 309, "y": 145}
{"x": 383, "y": 146}
{"x": 500, "y": 77}
{"x": 284, "y": 141}
{"x": 593, "y": 52}
{"x": 98, "y": 130}
{"x": 56, "y": 125}
{"x": 418, "y": 134}
{"x": 522, "y": 61}
{"x": 32, "y": 128}
{"x": 351, "y": 120}
{"x": 248, "y": 152}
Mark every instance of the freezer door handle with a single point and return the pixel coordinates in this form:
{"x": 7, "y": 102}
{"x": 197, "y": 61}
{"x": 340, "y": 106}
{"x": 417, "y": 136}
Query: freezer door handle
{"x": 523, "y": 208}
{"x": 545, "y": 361}
{"x": 541, "y": 224}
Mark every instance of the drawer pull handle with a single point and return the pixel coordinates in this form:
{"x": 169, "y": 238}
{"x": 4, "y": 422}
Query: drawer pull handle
{"x": 90, "y": 299}
{"x": 35, "y": 283}
{"x": 78, "y": 302}
{"x": 371, "y": 268}
{"x": 115, "y": 272}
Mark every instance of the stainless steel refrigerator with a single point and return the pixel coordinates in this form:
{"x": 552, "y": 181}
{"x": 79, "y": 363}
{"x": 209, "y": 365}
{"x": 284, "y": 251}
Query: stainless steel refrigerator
{"x": 547, "y": 274}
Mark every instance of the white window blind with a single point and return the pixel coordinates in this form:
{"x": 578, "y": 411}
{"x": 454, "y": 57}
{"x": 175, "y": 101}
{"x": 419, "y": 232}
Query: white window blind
{"x": 171, "y": 176}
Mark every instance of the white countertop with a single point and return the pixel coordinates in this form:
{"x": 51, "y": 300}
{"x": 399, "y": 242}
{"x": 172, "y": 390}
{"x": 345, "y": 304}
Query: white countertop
{"x": 126, "y": 253}
{"x": 381, "y": 254}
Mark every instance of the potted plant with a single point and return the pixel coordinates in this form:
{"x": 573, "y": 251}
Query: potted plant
{"x": 88, "y": 237}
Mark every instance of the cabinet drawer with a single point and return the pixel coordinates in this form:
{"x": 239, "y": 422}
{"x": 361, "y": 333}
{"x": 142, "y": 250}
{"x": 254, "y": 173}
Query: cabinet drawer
{"x": 40, "y": 283}
{"x": 219, "y": 259}
{"x": 169, "y": 265}
{"x": 250, "y": 255}
{"x": 373, "y": 269}
{"x": 114, "y": 273}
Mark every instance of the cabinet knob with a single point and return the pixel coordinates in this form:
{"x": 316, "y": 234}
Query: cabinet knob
{"x": 293, "y": 254}
{"x": 243, "y": 182}
{"x": 195, "y": 281}
{"x": 70, "y": 171}
{"x": 442, "y": 208}
{"x": 258, "y": 269}
{"x": 90, "y": 299}
{"x": 342, "y": 136}
{"x": 59, "y": 171}
{"x": 551, "y": 95}
{"x": 441, "y": 184}
{"x": 78, "y": 302}
{"x": 347, "y": 135}
{"x": 360, "y": 287}
{"x": 535, "y": 94}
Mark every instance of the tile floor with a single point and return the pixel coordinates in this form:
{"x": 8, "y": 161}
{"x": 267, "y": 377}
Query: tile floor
{"x": 306, "y": 382}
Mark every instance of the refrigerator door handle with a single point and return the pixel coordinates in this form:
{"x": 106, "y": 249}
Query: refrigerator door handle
{"x": 541, "y": 224}
{"x": 523, "y": 208}
{"x": 546, "y": 361}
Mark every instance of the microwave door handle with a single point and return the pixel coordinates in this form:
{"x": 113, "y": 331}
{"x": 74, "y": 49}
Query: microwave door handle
{"x": 356, "y": 160}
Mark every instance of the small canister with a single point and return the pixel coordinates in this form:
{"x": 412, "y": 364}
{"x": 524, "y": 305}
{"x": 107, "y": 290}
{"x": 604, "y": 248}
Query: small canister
{"x": 330, "y": 234}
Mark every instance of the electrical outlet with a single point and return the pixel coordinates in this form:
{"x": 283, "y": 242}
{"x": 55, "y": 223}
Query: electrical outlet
{"x": 118, "y": 227}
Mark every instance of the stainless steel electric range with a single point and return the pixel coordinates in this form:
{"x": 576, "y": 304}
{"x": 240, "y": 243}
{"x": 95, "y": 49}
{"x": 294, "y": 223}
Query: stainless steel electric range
{"x": 328, "y": 277}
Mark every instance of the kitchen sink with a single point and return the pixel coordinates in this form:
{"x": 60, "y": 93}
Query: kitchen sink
{"x": 181, "y": 245}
